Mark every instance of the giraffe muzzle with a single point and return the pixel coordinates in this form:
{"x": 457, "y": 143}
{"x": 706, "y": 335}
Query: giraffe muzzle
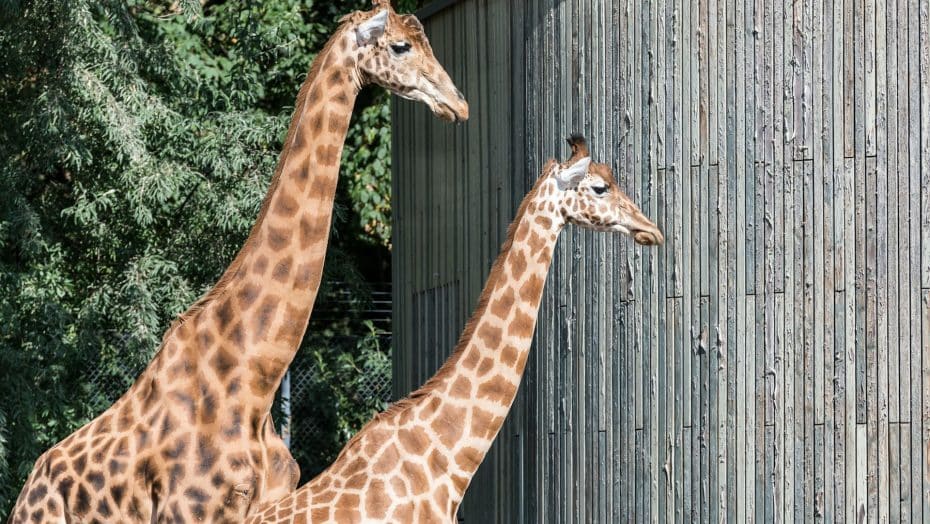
{"x": 651, "y": 237}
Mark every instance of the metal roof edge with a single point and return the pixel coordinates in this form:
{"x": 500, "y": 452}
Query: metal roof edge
{"x": 434, "y": 8}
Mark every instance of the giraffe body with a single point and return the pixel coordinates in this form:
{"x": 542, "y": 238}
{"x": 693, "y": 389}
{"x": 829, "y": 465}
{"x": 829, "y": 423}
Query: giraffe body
{"x": 193, "y": 439}
{"x": 414, "y": 462}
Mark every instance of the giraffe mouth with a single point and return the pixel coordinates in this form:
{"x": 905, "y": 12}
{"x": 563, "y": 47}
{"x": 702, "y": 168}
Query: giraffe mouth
{"x": 449, "y": 114}
{"x": 647, "y": 237}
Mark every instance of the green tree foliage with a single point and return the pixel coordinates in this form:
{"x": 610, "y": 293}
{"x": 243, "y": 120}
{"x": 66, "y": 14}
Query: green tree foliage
{"x": 138, "y": 140}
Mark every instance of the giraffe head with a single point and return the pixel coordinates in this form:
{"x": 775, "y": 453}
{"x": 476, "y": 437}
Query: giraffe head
{"x": 395, "y": 54}
{"x": 590, "y": 197}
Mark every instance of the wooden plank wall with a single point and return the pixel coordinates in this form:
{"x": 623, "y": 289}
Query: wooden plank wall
{"x": 771, "y": 362}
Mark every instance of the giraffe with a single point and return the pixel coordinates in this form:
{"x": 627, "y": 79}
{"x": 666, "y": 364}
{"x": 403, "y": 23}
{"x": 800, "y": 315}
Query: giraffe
{"x": 413, "y": 462}
{"x": 193, "y": 438}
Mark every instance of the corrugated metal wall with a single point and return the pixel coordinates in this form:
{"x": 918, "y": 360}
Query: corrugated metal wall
{"x": 772, "y": 360}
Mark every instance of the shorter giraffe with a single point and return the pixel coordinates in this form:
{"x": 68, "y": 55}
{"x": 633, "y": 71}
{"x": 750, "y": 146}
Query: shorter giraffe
{"x": 413, "y": 462}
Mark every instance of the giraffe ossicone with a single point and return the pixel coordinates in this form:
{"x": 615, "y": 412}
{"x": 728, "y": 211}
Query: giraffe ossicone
{"x": 193, "y": 438}
{"x": 413, "y": 462}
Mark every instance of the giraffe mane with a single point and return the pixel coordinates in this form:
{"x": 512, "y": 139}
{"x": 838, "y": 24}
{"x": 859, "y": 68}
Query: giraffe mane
{"x": 220, "y": 287}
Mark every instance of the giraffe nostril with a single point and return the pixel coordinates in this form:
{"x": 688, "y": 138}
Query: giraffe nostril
{"x": 459, "y": 94}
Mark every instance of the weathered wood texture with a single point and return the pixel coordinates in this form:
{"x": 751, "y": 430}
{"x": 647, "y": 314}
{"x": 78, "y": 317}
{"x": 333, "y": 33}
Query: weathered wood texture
{"x": 771, "y": 362}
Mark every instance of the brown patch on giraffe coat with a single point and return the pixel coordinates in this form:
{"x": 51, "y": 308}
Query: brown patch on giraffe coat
{"x": 205, "y": 338}
{"x": 346, "y": 510}
{"x": 335, "y": 78}
{"x": 314, "y": 96}
{"x": 414, "y": 441}
{"x": 491, "y": 335}
{"x": 207, "y": 453}
{"x": 461, "y": 388}
{"x": 531, "y": 290}
{"x": 148, "y": 394}
{"x": 260, "y": 265}
{"x": 426, "y": 514}
{"x": 517, "y": 264}
{"x": 282, "y": 270}
{"x": 403, "y": 513}
{"x": 264, "y": 317}
{"x": 234, "y": 428}
{"x": 545, "y": 257}
{"x": 522, "y": 325}
{"x": 265, "y": 375}
{"x": 441, "y": 496}
{"x": 438, "y": 463}
{"x": 324, "y": 497}
{"x": 471, "y": 359}
{"x": 207, "y": 404}
{"x": 183, "y": 400}
{"x": 295, "y": 322}
{"x": 429, "y": 409}
{"x": 338, "y": 124}
{"x": 486, "y": 366}
{"x": 374, "y": 441}
{"x": 448, "y": 424}
{"x": 304, "y": 276}
{"x": 285, "y": 205}
{"x": 237, "y": 336}
{"x": 352, "y": 467}
{"x": 468, "y": 459}
{"x": 501, "y": 307}
{"x": 319, "y": 514}
{"x": 223, "y": 362}
{"x": 322, "y": 188}
{"x": 278, "y": 238}
{"x": 311, "y": 231}
{"x": 481, "y": 422}
{"x": 341, "y": 98}
{"x": 460, "y": 482}
{"x": 544, "y": 221}
{"x": 536, "y": 243}
{"x": 316, "y": 129}
{"x": 126, "y": 418}
{"x": 522, "y": 230}
{"x": 224, "y": 315}
{"x": 327, "y": 155}
{"x": 497, "y": 389}
{"x": 417, "y": 477}
{"x": 357, "y": 481}
{"x": 387, "y": 460}
{"x": 509, "y": 355}
{"x": 246, "y": 295}
{"x": 377, "y": 500}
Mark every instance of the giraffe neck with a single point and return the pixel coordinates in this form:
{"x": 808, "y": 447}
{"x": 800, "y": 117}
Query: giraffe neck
{"x": 468, "y": 399}
{"x": 249, "y": 327}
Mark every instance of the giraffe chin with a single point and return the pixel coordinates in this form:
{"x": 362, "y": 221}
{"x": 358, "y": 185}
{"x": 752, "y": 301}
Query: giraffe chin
{"x": 647, "y": 238}
{"x": 448, "y": 114}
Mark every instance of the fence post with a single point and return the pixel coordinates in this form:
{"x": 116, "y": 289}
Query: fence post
{"x": 286, "y": 409}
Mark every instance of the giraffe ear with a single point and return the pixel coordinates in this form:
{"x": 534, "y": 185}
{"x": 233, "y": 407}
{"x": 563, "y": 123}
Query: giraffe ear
{"x": 371, "y": 30}
{"x": 571, "y": 175}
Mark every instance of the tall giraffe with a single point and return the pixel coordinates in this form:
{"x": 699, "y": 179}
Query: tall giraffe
{"x": 193, "y": 438}
{"x": 413, "y": 462}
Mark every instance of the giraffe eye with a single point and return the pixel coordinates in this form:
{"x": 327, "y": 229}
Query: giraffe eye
{"x": 400, "y": 47}
{"x": 600, "y": 190}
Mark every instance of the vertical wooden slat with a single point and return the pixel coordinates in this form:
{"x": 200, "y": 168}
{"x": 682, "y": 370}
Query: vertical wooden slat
{"x": 920, "y": 212}
{"x": 925, "y": 415}
{"x": 924, "y": 46}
